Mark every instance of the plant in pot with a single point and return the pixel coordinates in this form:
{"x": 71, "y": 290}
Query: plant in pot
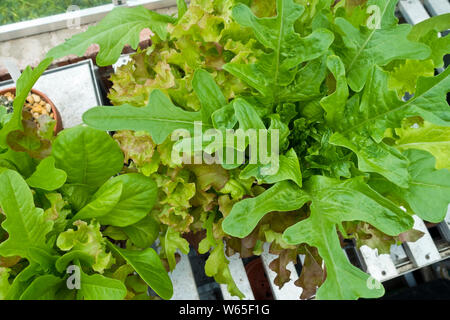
{"x": 326, "y": 88}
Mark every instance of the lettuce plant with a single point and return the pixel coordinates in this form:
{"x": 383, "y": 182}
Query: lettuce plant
{"x": 357, "y": 158}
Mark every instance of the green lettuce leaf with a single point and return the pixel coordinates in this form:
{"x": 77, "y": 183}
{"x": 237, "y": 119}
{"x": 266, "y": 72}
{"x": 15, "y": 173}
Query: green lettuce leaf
{"x": 361, "y": 125}
{"x": 25, "y": 224}
{"x": 43, "y": 287}
{"x": 120, "y": 27}
{"x": 363, "y": 48}
{"x": 159, "y": 118}
{"x": 144, "y": 232}
{"x": 170, "y": 243}
{"x": 333, "y": 202}
{"x": 122, "y": 200}
{"x": 98, "y": 287}
{"x": 426, "y": 183}
{"x": 88, "y": 156}
{"x": 149, "y": 266}
{"x": 89, "y": 240}
{"x": 277, "y": 68}
{"x": 46, "y": 176}
{"x": 429, "y": 137}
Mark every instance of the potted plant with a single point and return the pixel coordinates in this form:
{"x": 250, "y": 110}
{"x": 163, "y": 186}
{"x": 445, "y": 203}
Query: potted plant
{"x": 321, "y": 81}
{"x": 37, "y": 104}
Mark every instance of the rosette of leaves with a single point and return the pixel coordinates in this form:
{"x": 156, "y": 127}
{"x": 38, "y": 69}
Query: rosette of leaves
{"x": 352, "y": 150}
{"x": 57, "y": 210}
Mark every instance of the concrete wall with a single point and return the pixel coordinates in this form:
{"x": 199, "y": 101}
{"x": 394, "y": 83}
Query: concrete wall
{"x": 31, "y": 50}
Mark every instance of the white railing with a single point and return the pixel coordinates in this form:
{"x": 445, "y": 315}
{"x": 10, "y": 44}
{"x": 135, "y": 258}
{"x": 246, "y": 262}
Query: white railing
{"x": 66, "y": 20}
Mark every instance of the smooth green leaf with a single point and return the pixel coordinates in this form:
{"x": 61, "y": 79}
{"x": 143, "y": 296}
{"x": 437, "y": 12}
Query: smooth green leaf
{"x": 136, "y": 200}
{"x": 440, "y": 23}
{"x": 289, "y": 169}
{"x": 209, "y": 94}
{"x": 149, "y": 266}
{"x": 144, "y": 232}
{"x": 98, "y": 287}
{"x": 25, "y": 224}
{"x": 103, "y": 201}
{"x": 43, "y": 288}
{"x": 87, "y": 155}
{"x": 46, "y": 176}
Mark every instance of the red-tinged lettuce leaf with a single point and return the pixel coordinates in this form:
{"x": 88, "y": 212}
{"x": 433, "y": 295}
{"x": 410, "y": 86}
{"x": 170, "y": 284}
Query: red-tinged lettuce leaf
{"x": 279, "y": 266}
{"x": 120, "y": 27}
{"x": 140, "y": 148}
{"x": 313, "y": 275}
{"x": 333, "y": 202}
{"x": 29, "y": 141}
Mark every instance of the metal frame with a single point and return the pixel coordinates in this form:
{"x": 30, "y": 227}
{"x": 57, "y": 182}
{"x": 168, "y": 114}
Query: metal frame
{"x": 63, "y": 20}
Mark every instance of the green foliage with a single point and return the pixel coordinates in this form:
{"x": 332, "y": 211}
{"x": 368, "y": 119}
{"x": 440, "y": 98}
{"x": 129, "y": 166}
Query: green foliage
{"x": 121, "y": 26}
{"x": 352, "y": 150}
{"x": 15, "y": 11}
{"x": 51, "y": 224}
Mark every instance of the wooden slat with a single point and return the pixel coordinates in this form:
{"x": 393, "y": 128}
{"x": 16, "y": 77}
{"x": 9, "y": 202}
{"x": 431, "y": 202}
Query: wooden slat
{"x": 437, "y": 7}
{"x": 413, "y": 11}
{"x": 289, "y": 291}
{"x": 239, "y": 275}
{"x": 184, "y": 286}
{"x": 423, "y": 251}
{"x": 379, "y": 266}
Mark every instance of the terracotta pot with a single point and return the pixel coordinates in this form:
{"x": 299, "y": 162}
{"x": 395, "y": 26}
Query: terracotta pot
{"x": 55, "y": 111}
